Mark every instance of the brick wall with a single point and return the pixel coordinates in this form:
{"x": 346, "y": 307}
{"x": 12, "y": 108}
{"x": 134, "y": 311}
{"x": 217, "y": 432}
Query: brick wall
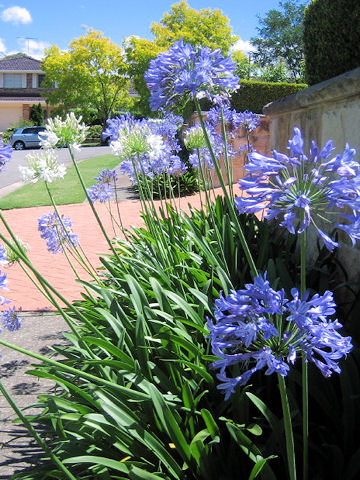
{"x": 259, "y": 139}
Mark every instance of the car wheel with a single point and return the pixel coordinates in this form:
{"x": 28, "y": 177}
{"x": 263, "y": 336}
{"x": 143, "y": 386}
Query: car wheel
{"x": 19, "y": 145}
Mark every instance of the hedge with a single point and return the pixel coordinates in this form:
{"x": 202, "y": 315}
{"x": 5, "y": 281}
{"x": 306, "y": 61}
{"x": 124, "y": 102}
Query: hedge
{"x": 331, "y": 38}
{"x": 253, "y": 95}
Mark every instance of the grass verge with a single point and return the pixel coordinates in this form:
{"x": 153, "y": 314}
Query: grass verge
{"x": 65, "y": 191}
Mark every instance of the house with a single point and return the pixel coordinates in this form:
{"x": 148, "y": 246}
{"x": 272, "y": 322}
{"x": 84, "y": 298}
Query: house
{"x": 21, "y": 78}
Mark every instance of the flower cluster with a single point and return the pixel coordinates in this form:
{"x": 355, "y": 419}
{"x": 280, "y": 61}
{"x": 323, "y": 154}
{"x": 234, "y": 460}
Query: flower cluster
{"x": 69, "y": 132}
{"x": 57, "y": 232}
{"x": 146, "y": 147}
{"x": 258, "y": 327}
{"x": 10, "y": 319}
{"x": 191, "y": 72}
{"x": 103, "y": 190}
{"x": 249, "y": 121}
{"x": 5, "y": 154}
{"x": 42, "y": 165}
{"x": 302, "y": 190}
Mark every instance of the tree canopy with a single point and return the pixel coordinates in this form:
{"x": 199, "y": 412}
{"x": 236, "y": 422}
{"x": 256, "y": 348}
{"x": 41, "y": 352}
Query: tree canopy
{"x": 206, "y": 27}
{"x": 91, "y": 74}
{"x": 280, "y": 38}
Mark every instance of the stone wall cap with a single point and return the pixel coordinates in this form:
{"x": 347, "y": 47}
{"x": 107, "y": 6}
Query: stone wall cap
{"x": 336, "y": 88}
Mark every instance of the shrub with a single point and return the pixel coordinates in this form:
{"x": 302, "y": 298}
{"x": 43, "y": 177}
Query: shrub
{"x": 331, "y": 38}
{"x": 37, "y": 114}
{"x": 253, "y": 95}
{"x": 94, "y": 132}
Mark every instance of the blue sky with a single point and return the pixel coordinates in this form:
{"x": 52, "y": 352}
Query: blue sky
{"x": 31, "y": 26}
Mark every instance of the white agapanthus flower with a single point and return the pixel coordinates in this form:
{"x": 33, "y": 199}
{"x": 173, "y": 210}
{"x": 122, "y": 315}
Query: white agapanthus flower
{"x": 70, "y": 132}
{"x": 48, "y": 139}
{"x": 131, "y": 143}
{"x": 156, "y": 146}
{"x": 195, "y": 138}
{"x": 42, "y": 165}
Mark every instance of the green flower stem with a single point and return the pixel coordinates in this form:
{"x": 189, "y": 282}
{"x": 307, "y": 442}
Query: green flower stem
{"x": 212, "y": 215}
{"x": 43, "y": 292}
{"x": 290, "y": 451}
{"x": 84, "y": 262}
{"x": 119, "y": 213}
{"x": 305, "y": 379}
{"x": 92, "y": 207}
{"x": 229, "y": 172}
{"x": 230, "y": 204}
{"x": 42, "y": 444}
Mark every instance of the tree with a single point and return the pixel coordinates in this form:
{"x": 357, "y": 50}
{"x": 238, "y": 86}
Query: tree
{"x": 91, "y": 74}
{"x": 139, "y": 52}
{"x": 206, "y": 27}
{"x": 280, "y": 38}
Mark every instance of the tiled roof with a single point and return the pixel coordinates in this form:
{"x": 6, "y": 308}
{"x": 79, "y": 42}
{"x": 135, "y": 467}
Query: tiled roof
{"x": 23, "y": 99}
{"x": 20, "y": 62}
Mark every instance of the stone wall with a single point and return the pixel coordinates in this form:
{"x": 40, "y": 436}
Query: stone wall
{"x": 328, "y": 110}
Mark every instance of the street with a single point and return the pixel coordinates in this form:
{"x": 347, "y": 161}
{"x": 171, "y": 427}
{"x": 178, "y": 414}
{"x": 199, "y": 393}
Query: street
{"x": 11, "y": 173}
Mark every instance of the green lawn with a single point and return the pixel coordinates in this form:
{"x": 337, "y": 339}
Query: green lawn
{"x": 67, "y": 190}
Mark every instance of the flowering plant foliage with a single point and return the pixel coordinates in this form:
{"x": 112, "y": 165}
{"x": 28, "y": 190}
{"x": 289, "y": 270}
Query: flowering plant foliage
{"x": 301, "y": 189}
{"x": 42, "y": 165}
{"x": 57, "y": 232}
{"x": 185, "y": 72}
{"x": 258, "y": 327}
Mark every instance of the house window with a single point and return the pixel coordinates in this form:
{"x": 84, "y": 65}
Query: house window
{"x": 12, "y": 80}
{"x": 41, "y": 79}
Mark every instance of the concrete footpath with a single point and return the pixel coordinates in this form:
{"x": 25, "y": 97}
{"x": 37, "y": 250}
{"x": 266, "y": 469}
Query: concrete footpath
{"x": 39, "y": 333}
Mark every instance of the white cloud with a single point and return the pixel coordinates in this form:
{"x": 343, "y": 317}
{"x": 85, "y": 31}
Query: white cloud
{"x": 16, "y": 15}
{"x": 2, "y": 46}
{"x": 243, "y": 45}
{"x": 34, "y": 48}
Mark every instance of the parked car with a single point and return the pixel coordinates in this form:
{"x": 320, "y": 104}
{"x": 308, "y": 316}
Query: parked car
{"x": 26, "y": 137}
{"x": 104, "y": 138}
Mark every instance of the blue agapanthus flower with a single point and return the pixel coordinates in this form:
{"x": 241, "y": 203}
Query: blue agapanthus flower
{"x": 5, "y": 154}
{"x": 100, "y": 192}
{"x": 10, "y": 319}
{"x": 303, "y": 190}
{"x": 57, "y": 232}
{"x": 258, "y": 328}
{"x": 247, "y": 120}
{"x": 193, "y": 72}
